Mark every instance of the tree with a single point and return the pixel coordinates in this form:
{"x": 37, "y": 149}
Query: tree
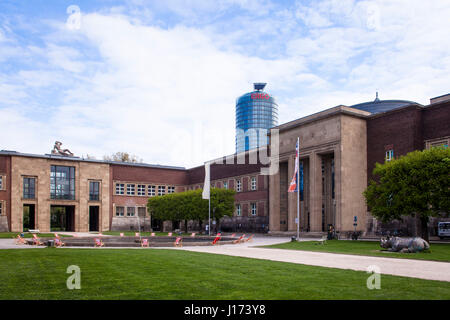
{"x": 122, "y": 157}
{"x": 189, "y": 205}
{"x": 417, "y": 184}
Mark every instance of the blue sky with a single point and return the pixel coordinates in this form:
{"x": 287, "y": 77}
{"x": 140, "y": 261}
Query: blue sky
{"x": 159, "y": 78}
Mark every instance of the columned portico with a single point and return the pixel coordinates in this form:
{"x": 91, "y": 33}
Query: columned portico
{"x": 322, "y": 143}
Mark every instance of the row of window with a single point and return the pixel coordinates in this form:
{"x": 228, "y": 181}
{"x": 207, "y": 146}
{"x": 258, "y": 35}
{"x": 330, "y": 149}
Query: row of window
{"x": 130, "y": 211}
{"x": 56, "y": 192}
{"x": 238, "y": 185}
{"x": 253, "y": 209}
{"x": 142, "y": 189}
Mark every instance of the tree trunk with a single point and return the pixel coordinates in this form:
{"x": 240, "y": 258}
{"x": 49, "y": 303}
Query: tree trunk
{"x": 200, "y": 226}
{"x": 186, "y": 226}
{"x": 424, "y": 228}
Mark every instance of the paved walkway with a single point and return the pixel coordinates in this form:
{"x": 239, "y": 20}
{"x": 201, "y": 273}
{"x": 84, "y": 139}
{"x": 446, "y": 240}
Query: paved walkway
{"x": 429, "y": 270}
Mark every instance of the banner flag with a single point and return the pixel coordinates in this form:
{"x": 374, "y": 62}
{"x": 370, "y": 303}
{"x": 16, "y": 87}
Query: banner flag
{"x": 206, "y": 185}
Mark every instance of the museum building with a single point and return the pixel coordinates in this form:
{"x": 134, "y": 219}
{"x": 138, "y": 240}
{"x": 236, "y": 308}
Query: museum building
{"x": 338, "y": 151}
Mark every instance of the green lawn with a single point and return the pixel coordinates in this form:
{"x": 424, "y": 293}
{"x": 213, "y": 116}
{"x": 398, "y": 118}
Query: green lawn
{"x": 437, "y": 252}
{"x": 174, "y": 274}
{"x": 10, "y": 235}
{"x": 144, "y": 234}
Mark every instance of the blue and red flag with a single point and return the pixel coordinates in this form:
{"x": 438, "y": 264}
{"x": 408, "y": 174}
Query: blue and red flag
{"x": 293, "y": 187}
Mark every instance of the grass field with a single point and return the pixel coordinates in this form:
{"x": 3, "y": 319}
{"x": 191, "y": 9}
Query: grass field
{"x": 174, "y": 274}
{"x": 437, "y": 252}
{"x": 10, "y": 235}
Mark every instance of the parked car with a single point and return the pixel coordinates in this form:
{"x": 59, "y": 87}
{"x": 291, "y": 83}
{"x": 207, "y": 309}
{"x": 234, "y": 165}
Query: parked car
{"x": 443, "y": 229}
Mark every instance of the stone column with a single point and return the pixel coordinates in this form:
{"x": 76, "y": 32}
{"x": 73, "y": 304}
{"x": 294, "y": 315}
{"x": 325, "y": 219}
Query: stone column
{"x": 274, "y": 202}
{"x": 315, "y": 174}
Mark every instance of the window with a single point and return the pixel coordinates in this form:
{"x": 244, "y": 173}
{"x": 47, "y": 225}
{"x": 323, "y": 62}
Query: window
{"x": 130, "y": 189}
{"x": 253, "y": 207}
{"x": 94, "y": 190}
{"x": 1, "y": 183}
{"x": 436, "y": 144}
{"x": 253, "y": 183}
{"x": 62, "y": 182}
{"x": 238, "y": 210}
{"x": 1, "y": 208}
{"x": 171, "y": 189}
{"x": 141, "y": 190}
{"x": 29, "y": 188}
{"x": 142, "y": 211}
{"x": 161, "y": 190}
{"x": 130, "y": 211}
{"x": 390, "y": 155}
{"x": 120, "y": 211}
{"x": 225, "y": 185}
{"x": 238, "y": 185}
{"x": 151, "y": 191}
{"x": 120, "y": 188}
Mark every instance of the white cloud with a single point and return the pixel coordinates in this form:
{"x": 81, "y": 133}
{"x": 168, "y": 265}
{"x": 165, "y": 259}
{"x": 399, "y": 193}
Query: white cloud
{"x": 167, "y": 94}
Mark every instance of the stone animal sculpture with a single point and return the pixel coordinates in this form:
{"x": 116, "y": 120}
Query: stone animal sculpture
{"x": 405, "y": 245}
{"x": 63, "y": 152}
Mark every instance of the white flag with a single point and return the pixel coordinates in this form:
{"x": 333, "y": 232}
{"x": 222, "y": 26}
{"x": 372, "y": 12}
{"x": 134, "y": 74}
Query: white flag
{"x": 206, "y": 185}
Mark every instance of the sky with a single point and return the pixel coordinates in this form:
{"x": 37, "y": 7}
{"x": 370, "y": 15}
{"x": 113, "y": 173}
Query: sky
{"x": 159, "y": 79}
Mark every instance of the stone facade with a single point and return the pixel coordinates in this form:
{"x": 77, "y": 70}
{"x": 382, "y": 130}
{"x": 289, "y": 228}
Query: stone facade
{"x": 39, "y": 168}
{"x": 332, "y": 151}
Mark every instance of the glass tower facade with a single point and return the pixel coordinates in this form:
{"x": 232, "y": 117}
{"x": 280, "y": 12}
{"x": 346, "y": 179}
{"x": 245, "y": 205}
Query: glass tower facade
{"x": 256, "y": 113}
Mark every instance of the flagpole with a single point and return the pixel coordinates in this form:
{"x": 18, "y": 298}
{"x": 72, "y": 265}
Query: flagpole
{"x": 209, "y": 215}
{"x": 298, "y": 189}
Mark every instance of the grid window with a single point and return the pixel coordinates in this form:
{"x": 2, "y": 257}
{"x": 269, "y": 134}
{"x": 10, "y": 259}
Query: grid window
{"x": 1, "y": 183}
{"x": 1, "y": 208}
{"x": 170, "y": 189}
{"x": 151, "y": 191}
{"x": 94, "y": 190}
{"x": 389, "y": 155}
{"x": 253, "y": 183}
{"x": 29, "y": 188}
{"x": 120, "y": 188}
{"x": 141, "y": 190}
{"x": 238, "y": 185}
{"x": 120, "y": 211}
{"x": 253, "y": 207}
{"x": 62, "y": 182}
{"x": 225, "y": 185}
{"x": 142, "y": 211}
{"x": 130, "y": 211}
{"x": 238, "y": 210}
{"x": 161, "y": 190}
{"x": 130, "y": 189}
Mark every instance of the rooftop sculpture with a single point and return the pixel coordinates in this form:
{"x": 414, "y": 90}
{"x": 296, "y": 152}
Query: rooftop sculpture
{"x": 62, "y": 152}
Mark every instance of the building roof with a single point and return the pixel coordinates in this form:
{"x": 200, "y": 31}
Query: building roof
{"x": 71, "y": 158}
{"x": 378, "y": 105}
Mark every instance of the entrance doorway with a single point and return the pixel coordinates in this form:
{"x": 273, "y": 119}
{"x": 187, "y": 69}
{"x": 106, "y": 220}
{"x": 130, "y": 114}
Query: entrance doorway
{"x": 62, "y": 218}
{"x": 29, "y": 217}
{"x": 94, "y": 218}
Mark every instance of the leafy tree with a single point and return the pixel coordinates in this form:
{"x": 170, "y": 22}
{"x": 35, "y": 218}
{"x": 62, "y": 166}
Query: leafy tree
{"x": 417, "y": 184}
{"x": 189, "y": 205}
{"x": 122, "y": 157}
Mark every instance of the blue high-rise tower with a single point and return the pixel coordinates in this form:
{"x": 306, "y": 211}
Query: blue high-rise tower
{"x": 256, "y": 113}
